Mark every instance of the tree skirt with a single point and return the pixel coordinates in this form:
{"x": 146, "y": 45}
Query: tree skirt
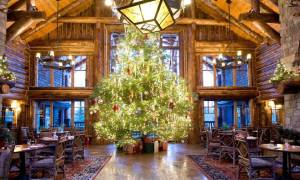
{"x": 86, "y": 169}
{"x": 208, "y": 168}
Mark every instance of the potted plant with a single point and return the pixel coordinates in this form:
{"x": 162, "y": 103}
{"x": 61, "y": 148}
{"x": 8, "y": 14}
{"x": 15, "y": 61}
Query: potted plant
{"x": 282, "y": 73}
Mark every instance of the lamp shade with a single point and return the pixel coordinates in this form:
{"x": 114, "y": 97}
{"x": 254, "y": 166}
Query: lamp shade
{"x": 151, "y": 15}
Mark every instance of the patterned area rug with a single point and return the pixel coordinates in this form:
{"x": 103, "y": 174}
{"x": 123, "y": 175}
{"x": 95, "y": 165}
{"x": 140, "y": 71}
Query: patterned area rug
{"x": 87, "y": 169}
{"x": 208, "y": 168}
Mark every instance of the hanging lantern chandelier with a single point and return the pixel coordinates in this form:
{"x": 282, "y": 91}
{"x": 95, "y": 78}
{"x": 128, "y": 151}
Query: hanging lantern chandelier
{"x": 149, "y": 15}
{"x": 240, "y": 59}
{"x": 50, "y": 60}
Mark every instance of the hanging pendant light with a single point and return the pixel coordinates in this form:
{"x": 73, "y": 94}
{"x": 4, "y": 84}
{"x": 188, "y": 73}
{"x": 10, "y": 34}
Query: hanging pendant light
{"x": 151, "y": 15}
{"x": 50, "y": 60}
{"x": 233, "y": 61}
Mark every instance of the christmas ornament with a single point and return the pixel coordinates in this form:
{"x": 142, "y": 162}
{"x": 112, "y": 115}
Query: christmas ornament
{"x": 116, "y": 107}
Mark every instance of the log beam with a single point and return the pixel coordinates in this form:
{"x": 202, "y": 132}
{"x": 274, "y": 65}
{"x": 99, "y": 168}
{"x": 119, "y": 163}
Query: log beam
{"x": 52, "y": 18}
{"x": 114, "y": 20}
{"x": 59, "y": 93}
{"x": 227, "y": 93}
{"x": 265, "y": 17}
{"x": 271, "y": 4}
{"x": 16, "y": 15}
{"x": 17, "y": 6}
{"x": 18, "y": 27}
{"x": 259, "y": 23}
{"x": 218, "y": 13}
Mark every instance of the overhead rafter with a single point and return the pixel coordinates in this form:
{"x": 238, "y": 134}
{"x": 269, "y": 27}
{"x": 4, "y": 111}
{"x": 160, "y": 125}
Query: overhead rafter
{"x": 52, "y": 18}
{"x": 239, "y": 28}
{"x": 271, "y": 4}
{"x": 17, "y": 6}
{"x": 258, "y": 20}
{"x": 22, "y": 20}
{"x": 114, "y": 20}
{"x": 254, "y": 16}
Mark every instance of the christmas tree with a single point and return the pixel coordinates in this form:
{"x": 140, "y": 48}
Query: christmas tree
{"x": 142, "y": 95}
{"x": 5, "y": 73}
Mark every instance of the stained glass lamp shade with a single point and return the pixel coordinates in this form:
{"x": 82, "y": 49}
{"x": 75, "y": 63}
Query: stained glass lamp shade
{"x": 151, "y": 15}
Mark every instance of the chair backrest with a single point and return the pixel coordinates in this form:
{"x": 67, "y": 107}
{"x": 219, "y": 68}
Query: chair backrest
{"x": 5, "y": 160}
{"x": 60, "y": 152}
{"x": 24, "y": 135}
{"x": 264, "y": 136}
{"x": 242, "y": 148}
{"x": 227, "y": 138}
{"x": 78, "y": 141}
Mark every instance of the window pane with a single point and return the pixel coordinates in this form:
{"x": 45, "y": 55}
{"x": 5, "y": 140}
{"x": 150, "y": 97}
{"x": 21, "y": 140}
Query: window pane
{"x": 62, "y": 114}
{"x": 43, "y": 76}
{"x": 79, "y": 115}
{"x": 80, "y": 71}
{"x": 242, "y": 75}
{"x": 225, "y": 113}
{"x": 207, "y": 71}
{"x": 62, "y": 78}
{"x": 114, "y": 39}
{"x": 224, "y": 77}
{"x": 170, "y": 45}
{"x": 8, "y": 117}
{"x": 42, "y": 115}
{"x": 79, "y": 78}
{"x": 243, "y": 114}
{"x": 209, "y": 114}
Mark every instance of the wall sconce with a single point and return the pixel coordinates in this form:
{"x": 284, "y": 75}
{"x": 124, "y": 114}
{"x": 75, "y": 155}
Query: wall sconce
{"x": 15, "y": 105}
{"x": 273, "y": 105}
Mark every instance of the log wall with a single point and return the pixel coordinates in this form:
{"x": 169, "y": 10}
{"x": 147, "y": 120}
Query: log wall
{"x": 18, "y": 54}
{"x": 267, "y": 57}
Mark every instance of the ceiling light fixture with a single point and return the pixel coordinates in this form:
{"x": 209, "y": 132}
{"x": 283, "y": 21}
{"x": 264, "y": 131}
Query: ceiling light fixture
{"x": 150, "y": 15}
{"x": 50, "y": 60}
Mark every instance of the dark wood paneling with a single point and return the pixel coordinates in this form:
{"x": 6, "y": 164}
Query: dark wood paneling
{"x": 267, "y": 57}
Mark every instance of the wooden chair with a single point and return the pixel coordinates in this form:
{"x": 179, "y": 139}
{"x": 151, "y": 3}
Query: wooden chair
{"x": 75, "y": 150}
{"x": 243, "y": 159}
{"x": 228, "y": 145}
{"x": 5, "y": 160}
{"x": 53, "y": 164}
{"x": 213, "y": 142}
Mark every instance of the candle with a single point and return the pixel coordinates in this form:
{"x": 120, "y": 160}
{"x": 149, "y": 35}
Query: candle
{"x": 223, "y": 64}
{"x": 220, "y": 56}
{"x": 70, "y": 57}
{"x": 214, "y": 61}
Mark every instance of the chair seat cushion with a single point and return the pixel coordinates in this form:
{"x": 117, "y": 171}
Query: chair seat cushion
{"x": 44, "y": 163}
{"x": 261, "y": 163}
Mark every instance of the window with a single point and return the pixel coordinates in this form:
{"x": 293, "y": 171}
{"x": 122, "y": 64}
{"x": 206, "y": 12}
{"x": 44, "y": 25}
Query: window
{"x": 43, "y": 76}
{"x": 79, "y": 114}
{"x": 208, "y": 72}
{"x": 224, "y": 76}
{"x": 170, "y": 45}
{"x": 80, "y": 71}
{"x": 225, "y": 114}
{"x": 209, "y": 114}
{"x": 63, "y": 77}
{"x": 42, "y": 114}
{"x": 114, "y": 39}
{"x": 243, "y": 114}
{"x": 242, "y": 75}
{"x": 61, "y": 114}
{"x": 8, "y": 116}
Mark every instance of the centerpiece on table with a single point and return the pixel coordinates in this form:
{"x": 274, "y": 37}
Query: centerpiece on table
{"x": 7, "y": 78}
{"x": 142, "y": 104}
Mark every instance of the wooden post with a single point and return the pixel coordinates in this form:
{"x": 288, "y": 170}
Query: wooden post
{"x": 235, "y": 114}
{"x": 216, "y": 113}
{"x": 72, "y": 114}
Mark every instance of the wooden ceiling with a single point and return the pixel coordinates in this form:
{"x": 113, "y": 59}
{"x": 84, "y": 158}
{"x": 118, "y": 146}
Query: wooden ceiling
{"x": 257, "y": 31}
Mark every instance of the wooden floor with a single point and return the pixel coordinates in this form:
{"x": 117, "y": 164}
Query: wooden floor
{"x": 171, "y": 165}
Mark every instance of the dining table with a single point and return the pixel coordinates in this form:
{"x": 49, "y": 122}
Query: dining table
{"x": 285, "y": 149}
{"x": 26, "y": 148}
